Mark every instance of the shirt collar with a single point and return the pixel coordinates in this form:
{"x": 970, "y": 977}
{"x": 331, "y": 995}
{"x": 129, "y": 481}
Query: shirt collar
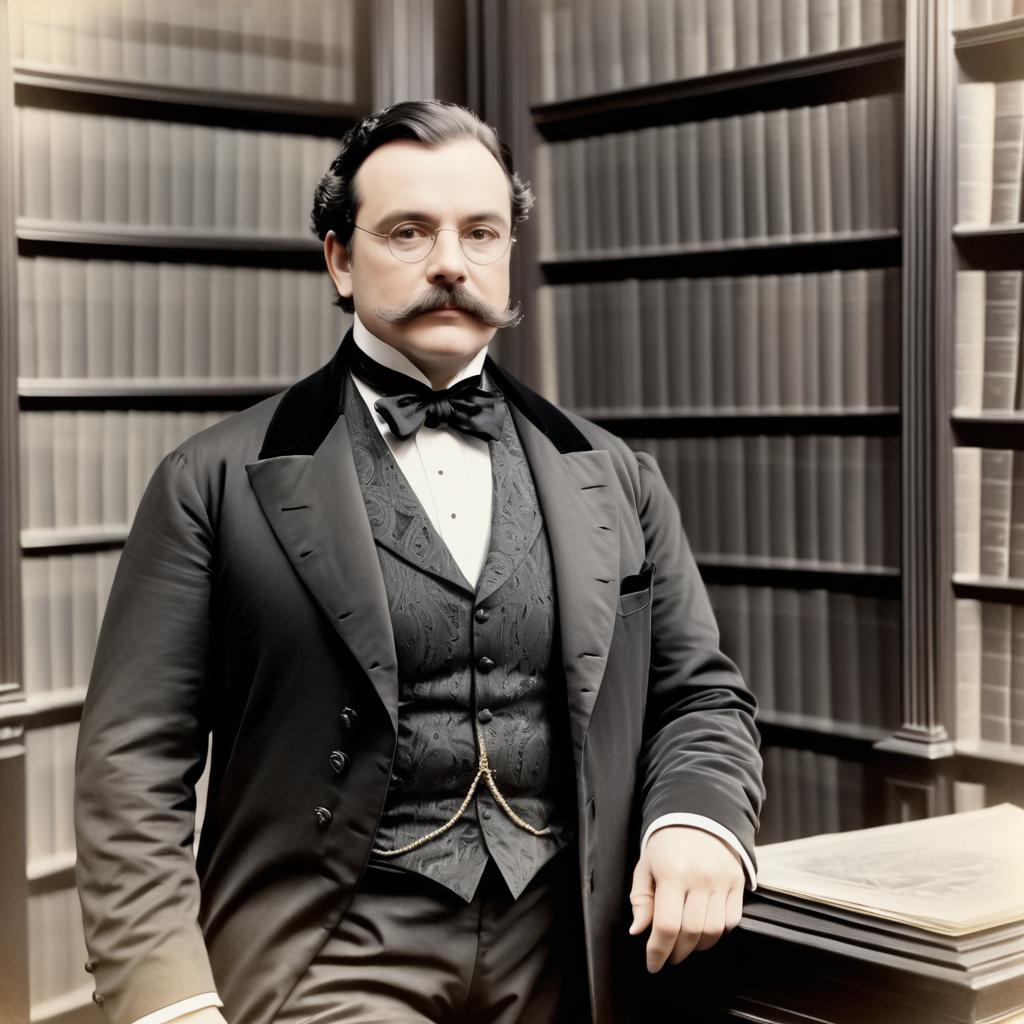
{"x": 389, "y": 356}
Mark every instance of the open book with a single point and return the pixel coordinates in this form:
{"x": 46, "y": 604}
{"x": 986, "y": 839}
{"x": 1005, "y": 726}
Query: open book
{"x": 953, "y": 874}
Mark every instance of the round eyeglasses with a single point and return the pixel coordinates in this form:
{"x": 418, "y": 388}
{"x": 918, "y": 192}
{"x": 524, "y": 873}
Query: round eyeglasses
{"x": 411, "y": 242}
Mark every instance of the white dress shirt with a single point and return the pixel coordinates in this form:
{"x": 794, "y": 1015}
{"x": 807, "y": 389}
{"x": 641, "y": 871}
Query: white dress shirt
{"x": 450, "y": 472}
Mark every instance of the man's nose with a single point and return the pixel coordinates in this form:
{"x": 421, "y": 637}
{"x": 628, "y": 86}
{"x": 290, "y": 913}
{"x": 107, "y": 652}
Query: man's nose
{"x": 446, "y": 261}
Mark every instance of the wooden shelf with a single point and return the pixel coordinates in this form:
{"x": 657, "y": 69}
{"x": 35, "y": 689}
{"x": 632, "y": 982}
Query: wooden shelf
{"x": 1011, "y": 30}
{"x": 47, "y": 84}
{"x": 778, "y": 572}
{"x": 64, "y": 237}
{"x": 857, "y": 71}
{"x": 989, "y": 588}
{"x": 856, "y": 250}
{"x": 994, "y": 753}
{"x": 150, "y": 387}
{"x": 1008, "y": 230}
{"x": 635, "y": 423}
{"x": 988, "y": 429}
{"x": 51, "y": 874}
{"x": 186, "y": 401}
{"x": 40, "y": 710}
{"x": 868, "y": 734}
{"x": 82, "y": 538}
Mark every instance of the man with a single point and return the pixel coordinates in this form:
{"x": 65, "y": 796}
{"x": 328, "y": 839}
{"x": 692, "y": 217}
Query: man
{"x": 461, "y": 673}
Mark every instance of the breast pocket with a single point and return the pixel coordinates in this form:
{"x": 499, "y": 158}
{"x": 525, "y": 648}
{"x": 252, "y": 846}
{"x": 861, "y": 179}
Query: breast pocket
{"x": 635, "y": 590}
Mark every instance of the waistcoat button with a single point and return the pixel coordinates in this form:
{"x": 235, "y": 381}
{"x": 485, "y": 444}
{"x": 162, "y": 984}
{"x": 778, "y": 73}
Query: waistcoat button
{"x": 485, "y": 715}
{"x": 481, "y": 615}
{"x": 348, "y": 717}
{"x": 485, "y": 664}
{"x": 97, "y": 998}
{"x": 323, "y": 816}
{"x": 90, "y": 966}
{"x": 339, "y": 760}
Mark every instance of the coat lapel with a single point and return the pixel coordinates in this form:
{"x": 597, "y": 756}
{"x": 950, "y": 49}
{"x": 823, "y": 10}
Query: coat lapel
{"x": 576, "y": 499}
{"x": 306, "y": 482}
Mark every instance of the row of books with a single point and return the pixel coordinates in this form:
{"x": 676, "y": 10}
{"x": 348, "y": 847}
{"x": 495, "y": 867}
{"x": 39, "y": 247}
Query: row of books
{"x": 599, "y": 46}
{"x": 984, "y": 12}
{"x": 88, "y": 468}
{"x": 989, "y": 512}
{"x": 990, "y": 672}
{"x": 799, "y": 342}
{"x": 808, "y": 793}
{"x": 808, "y": 501}
{"x": 56, "y": 948}
{"x": 305, "y": 48}
{"x": 104, "y": 169}
{"x": 49, "y": 780}
{"x": 63, "y": 600}
{"x": 826, "y": 655}
{"x": 990, "y": 151}
{"x": 987, "y": 340}
{"x": 777, "y": 175}
{"x": 159, "y": 322}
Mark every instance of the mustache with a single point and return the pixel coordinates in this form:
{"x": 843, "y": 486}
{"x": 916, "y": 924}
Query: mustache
{"x": 459, "y": 298}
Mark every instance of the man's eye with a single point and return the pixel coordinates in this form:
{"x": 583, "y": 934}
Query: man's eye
{"x": 407, "y": 232}
{"x": 482, "y": 234}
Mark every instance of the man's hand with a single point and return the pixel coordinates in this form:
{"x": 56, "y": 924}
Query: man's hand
{"x": 690, "y": 884}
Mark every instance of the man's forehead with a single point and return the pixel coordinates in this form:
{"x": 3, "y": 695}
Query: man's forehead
{"x": 458, "y": 178}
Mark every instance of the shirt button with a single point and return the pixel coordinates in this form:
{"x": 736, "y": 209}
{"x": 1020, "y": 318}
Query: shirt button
{"x": 485, "y": 715}
{"x": 89, "y": 966}
{"x": 97, "y": 998}
{"x": 323, "y": 816}
{"x": 485, "y": 664}
{"x": 481, "y": 615}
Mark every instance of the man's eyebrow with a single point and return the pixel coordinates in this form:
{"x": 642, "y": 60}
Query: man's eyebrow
{"x": 400, "y": 215}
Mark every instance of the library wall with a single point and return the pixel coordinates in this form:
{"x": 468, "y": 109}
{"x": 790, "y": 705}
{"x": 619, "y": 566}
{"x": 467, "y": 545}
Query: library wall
{"x": 163, "y": 160}
{"x": 728, "y": 265}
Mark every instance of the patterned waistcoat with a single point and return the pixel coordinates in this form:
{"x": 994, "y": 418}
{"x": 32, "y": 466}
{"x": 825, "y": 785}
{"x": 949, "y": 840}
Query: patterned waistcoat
{"x": 477, "y": 669}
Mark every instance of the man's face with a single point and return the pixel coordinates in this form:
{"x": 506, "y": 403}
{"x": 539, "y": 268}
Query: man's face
{"x": 454, "y": 185}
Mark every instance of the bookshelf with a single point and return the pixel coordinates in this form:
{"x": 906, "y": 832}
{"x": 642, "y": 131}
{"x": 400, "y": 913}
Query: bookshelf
{"x": 636, "y": 131}
{"x": 161, "y": 275}
{"x": 980, "y": 348}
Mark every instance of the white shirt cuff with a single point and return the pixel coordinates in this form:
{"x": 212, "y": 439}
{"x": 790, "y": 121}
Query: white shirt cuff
{"x": 180, "y": 1008}
{"x": 708, "y": 825}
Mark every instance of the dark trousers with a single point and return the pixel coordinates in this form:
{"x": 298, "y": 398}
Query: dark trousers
{"x": 408, "y": 949}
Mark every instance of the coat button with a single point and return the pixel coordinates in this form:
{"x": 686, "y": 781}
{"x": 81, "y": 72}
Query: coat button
{"x": 348, "y": 717}
{"x": 485, "y": 715}
{"x": 89, "y": 966}
{"x": 339, "y": 761}
{"x": 486, "y": 815}
{"x": 323, "y": 816}
{"x": 97, "y": 998}
{"x": 485, "y": 664}
{"x": 481, "y": 615}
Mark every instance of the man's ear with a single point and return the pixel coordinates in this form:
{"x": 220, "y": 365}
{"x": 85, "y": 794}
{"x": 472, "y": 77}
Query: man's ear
{"x": 338, "y": 264}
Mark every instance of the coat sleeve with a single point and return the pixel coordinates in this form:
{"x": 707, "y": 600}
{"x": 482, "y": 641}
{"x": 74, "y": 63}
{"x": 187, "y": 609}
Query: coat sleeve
{"x": 141, "y": 749}
{"x": 699, "y": 752}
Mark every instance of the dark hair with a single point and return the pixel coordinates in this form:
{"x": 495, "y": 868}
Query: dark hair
{"x": 430, "y": 122}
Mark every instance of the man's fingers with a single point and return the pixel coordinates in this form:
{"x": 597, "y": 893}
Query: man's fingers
{"x": 714, "y": 920}
{"x": 641, "y": 897}
{"x": 668, "y": 912}
{"x": 733, "y": 909}
{"x": 691, "y": 925}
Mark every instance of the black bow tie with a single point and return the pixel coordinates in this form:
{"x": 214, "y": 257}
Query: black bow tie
{"x": 408, "y": 404}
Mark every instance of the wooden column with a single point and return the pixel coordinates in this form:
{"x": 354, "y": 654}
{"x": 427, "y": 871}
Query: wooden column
{"x": 927, "y": 507}
{"x": 14, "y": 997}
